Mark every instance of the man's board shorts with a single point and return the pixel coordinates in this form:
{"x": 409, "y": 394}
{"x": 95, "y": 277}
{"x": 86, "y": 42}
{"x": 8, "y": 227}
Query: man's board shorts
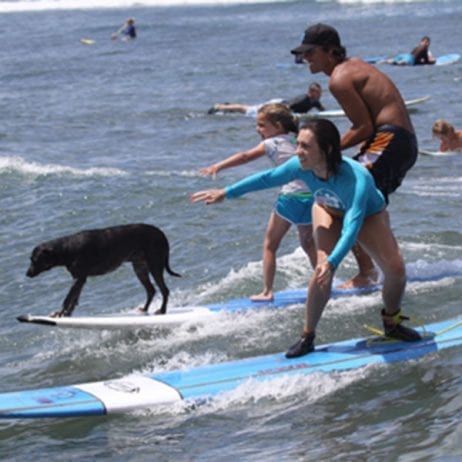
{"x": 295, "y": 207}
{"x": 388, "y": 155}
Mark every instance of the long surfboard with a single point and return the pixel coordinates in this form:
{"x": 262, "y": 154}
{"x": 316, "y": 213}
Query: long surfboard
{"x": 410, "y": 103}
{"x": 196, "y": 384}
{"x": 443, "y": 60}
{"x": 177, "y": 316}
{"x": 201, "y": 313}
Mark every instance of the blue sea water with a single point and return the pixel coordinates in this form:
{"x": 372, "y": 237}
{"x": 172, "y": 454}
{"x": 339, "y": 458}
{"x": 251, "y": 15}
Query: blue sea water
{"x": 113, "y": 132}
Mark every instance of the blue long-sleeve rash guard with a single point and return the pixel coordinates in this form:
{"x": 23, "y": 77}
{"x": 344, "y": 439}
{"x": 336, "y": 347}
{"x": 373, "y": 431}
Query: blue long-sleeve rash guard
{"x": 351, "y": 190}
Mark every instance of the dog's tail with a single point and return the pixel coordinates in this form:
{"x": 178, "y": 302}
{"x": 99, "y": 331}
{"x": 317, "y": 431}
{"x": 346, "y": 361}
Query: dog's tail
{"x": 170, "y": 271}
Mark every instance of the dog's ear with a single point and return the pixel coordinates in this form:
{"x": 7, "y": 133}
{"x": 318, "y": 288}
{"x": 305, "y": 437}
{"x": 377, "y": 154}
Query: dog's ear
{"x": 42, "y": 254}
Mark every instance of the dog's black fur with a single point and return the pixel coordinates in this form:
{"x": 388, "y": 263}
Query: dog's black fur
{"x": 100, "y": 251}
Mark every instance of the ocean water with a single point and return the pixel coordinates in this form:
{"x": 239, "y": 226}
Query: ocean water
{"x": 110, "y": 133}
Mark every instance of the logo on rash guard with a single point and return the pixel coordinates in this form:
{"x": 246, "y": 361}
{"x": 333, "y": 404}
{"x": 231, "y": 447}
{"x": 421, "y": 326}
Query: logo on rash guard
{"x": 327, "y": 198}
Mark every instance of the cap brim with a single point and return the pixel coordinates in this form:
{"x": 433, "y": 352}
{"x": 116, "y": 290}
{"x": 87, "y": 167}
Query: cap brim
{"x": 301, "y": 49}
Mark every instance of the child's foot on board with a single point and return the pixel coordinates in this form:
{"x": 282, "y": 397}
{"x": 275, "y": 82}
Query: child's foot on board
{"x": 394, "y": 329}
{"x": 263, "y": 297}
{"x": 361, "y": 281}
{"x": 304, "y": 346}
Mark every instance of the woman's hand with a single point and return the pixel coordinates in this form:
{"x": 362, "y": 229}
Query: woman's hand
{"x": 210, "y": 196}
{"x": 324, "y": 273}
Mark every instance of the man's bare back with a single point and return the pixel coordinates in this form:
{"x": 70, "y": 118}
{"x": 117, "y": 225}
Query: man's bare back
{"x": 369, "y": 98}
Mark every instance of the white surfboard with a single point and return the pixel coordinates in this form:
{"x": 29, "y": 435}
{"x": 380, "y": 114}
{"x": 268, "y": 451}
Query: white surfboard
{"x": 410, "y": 103}
{"x": 202, "y": 313}
{"x": 427, "y": 152}
{"x": 176, "y": 317}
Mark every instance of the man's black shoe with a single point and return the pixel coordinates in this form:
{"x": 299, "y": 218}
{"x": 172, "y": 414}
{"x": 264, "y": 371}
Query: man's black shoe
{"x": 304, "y": 346}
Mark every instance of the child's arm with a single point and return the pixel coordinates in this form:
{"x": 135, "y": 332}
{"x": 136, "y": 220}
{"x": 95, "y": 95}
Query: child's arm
{"x": 236, "y": 159}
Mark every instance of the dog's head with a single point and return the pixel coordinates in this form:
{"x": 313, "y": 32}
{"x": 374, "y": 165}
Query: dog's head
{"x": 42, "y": 259}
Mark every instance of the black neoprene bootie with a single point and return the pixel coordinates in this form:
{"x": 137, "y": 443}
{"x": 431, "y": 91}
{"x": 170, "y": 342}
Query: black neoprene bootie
{"x": 304, "y": 346}
{"x": 394, "y": 329}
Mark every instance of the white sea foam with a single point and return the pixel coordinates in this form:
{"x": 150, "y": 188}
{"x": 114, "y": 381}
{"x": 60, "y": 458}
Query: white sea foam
{"x": 21, "y": 166}
{"x": 44, "y": 5}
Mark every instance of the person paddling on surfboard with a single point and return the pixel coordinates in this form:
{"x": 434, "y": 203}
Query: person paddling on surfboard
{"x": 450, "y": 139}
{"x": 381, "y": 125}
{"x": 277, "y": 128}
{"x": 348, "y": 206}
{"x": 299, "y": 104}
{"x": 421, "y": 54}
{"x": 127, "y": 31}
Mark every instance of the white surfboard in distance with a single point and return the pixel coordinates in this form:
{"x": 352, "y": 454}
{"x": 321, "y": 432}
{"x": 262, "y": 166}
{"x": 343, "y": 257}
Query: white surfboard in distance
{"x": 410, "y": 103}
{"x": 428, "y": 152}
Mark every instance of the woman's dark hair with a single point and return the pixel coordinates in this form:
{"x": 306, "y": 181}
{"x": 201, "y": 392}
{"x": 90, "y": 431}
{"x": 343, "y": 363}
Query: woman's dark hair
{"x": 328, "y": 139}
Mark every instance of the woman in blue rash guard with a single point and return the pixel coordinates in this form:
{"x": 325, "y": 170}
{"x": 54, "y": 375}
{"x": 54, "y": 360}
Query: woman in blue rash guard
{"x": 347, "y": 206}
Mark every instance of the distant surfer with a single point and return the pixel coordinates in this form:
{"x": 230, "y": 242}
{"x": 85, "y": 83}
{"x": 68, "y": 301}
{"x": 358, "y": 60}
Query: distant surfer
{"x": 450, "y": 138}
{"x": 348, "y": 206}
{"x": 299, "y": 105}
{"x": 277, "y": 128}
{"x": 421, "y": 54}
{"x": 381, "y": 125}
{"x": 126, "y": 32}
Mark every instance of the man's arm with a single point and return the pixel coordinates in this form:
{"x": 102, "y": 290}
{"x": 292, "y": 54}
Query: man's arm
{"x": 362, "y": 128}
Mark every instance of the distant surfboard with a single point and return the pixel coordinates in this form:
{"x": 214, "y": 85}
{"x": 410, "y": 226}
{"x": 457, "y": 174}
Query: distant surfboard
{"x": 447, "y": 59}
{"x": 87, "y": 41}
{"x": 443, "y": 60}
{"x": 340, "y": 113}
{"x": 426, "y": 152}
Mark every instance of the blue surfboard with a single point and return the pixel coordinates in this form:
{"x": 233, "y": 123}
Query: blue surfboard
{"x": 406, "y": 60}
{"x": 200, "y": 383}
{"x": 447, "y": 59}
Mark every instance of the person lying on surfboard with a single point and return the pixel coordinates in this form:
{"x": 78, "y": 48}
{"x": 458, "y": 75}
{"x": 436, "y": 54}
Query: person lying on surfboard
{"x": 450, "y": 138}
{"x": 421, "y": 54}
{"x": 380, "y": 122}
{"x": 348, "y": 207}
{"x": 277, "y": 128}
{"x": 299, "y": 104}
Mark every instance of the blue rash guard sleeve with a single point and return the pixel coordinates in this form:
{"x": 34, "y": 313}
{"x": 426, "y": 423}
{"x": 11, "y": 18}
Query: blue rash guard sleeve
{"x": 351, "y": 190}
{"x": 284, "y": 173}
{"x": 352, "y": 220}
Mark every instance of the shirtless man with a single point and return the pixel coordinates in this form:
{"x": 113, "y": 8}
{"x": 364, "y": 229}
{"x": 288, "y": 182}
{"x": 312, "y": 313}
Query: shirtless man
{"x": 380, "y": 121}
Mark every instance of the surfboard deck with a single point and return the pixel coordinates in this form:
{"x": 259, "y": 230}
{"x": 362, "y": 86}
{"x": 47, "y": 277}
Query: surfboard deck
{"x": 340, "y": 113}
{"x": 200, "y": 383}
{"x": 203, "y": 313}
{"x": 178, "y": 316}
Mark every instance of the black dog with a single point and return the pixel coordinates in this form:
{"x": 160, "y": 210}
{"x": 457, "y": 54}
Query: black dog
{"x": 100, "y": 251}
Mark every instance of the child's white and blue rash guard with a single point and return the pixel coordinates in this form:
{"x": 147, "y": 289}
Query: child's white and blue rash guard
{"x": 351, "y": 191}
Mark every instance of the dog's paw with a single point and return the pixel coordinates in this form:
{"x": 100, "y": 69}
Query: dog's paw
{"x": 55, "y": 314}
{"x": 159, "y": 311}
